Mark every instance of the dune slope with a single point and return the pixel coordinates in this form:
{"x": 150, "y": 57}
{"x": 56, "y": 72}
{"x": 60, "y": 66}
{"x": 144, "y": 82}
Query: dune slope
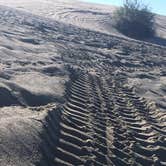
{"x": 74, "y": 91}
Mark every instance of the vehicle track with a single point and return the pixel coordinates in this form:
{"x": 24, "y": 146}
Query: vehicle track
{"x": 104, "y": 123}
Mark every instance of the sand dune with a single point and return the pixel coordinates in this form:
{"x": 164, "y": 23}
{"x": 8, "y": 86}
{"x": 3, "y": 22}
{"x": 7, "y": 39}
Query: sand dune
{"x": 74, "y": 91}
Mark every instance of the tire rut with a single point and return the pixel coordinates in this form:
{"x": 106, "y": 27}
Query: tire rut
{"x": 105, "y": 123}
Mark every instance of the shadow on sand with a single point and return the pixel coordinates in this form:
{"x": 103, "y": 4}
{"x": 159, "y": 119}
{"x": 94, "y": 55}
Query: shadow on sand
{"x": 50, "y": 137}
{"x": 157, "y": 40}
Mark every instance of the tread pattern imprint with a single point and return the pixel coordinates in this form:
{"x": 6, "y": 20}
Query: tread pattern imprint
{"x": 104, "y": 122}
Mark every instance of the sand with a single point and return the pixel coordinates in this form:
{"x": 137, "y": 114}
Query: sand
{"x": 74, "y": 91}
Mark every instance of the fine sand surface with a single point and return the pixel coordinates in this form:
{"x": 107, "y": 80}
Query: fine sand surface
{"x": 74, "y": 91}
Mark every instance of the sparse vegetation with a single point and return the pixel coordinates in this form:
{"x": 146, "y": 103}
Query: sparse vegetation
{"x": 135, "y": 19}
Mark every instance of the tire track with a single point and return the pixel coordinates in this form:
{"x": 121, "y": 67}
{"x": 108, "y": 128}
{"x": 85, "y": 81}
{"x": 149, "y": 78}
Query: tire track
{"x": 145, "y": 145}
{"x": 104, "y": 123}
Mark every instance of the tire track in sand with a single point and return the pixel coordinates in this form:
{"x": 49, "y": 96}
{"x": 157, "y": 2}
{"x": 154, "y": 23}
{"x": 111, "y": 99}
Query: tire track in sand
{"x": 104, "y": 123}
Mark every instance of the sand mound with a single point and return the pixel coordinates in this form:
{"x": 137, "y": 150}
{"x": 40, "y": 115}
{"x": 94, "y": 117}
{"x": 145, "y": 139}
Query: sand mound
{"x": 18, "y": 133}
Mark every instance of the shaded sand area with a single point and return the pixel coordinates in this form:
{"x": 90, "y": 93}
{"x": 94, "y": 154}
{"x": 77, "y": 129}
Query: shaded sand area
{"x": 73, "y": 91}
{"x": 19, "y": 135}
